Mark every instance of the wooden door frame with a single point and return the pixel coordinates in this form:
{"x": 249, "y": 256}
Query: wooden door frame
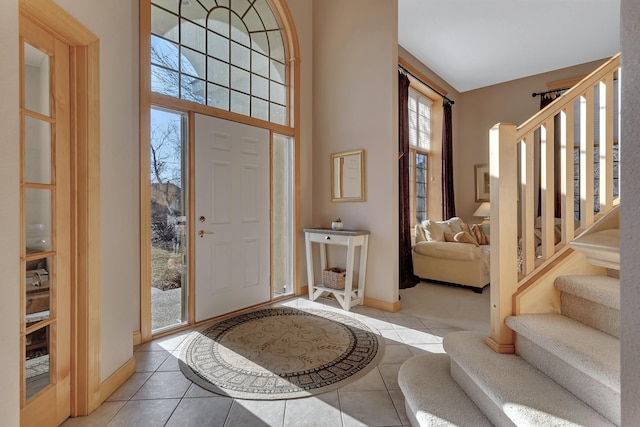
{"x": 85, "y": 198}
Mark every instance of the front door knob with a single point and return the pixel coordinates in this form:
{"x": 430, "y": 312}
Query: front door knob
{"x": 203, "y": 233}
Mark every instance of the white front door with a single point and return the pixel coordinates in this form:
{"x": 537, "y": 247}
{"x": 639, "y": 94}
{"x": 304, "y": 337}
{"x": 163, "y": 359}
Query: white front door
{"x": 232, "y": 241}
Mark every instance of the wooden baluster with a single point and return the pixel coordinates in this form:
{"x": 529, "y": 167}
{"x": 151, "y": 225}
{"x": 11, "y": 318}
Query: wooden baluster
{"x": 527, "y": 205}
{"x": 606, "y": 144}
{"x": 586, "y": 159}
{"x": 567, "y": 138}
{"x": 547, "y": 184}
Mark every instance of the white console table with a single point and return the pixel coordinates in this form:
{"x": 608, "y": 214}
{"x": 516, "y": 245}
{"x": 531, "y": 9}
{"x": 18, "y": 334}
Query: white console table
{"x": 349, "y": 238}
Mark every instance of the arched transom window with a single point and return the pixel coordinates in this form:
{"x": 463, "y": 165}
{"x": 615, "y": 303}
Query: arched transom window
{"x": 227, "y": 54}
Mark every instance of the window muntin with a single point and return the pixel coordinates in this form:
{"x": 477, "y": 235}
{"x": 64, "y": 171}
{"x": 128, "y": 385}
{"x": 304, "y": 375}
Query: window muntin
{"x": 419, "y": 147}
{"x": 227, "y": 54}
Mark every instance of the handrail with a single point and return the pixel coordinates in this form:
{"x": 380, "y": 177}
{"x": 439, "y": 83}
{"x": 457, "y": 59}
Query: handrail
{"x": 532, "y": 170}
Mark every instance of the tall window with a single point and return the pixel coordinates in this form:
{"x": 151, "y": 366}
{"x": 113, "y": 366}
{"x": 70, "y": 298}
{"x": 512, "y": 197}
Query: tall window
{"x": 419, "y": 147}
{"x": 228, "y": 54}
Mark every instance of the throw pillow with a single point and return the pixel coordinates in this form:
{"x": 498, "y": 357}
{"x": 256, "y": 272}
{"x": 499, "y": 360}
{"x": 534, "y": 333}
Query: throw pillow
{"x": 435, "y": 230}
{"x": 464, "y": 237}
{"x": 455, "y": 224}
{"x": 478, "y": 233}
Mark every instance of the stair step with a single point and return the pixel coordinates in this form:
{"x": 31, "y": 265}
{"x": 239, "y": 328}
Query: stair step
{"x": 432, "y": 397}
{"x": 601, "y": 248}
{"x": 592, "y": 300}
{"x": 583, "y": 360}
{"x": 600, "y": 289}
{"x": 509, "y": 390}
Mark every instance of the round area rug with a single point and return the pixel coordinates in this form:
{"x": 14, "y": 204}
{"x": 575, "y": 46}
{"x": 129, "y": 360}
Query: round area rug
{"x": 280, "y": 353}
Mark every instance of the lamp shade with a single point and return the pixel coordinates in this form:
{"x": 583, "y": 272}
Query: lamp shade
{"x": 484, "y": 210}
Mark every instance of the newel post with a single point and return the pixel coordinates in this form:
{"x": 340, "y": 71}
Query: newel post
{"x": 504, "y": 232}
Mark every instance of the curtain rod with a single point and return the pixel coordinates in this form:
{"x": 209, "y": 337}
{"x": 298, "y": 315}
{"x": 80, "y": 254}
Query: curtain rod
{"x": 449, "y": 100}
{"x": 562, "y": 89}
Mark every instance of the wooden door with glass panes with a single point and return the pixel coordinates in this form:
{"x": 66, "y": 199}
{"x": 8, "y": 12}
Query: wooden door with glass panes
{"x": 45, "y": 324}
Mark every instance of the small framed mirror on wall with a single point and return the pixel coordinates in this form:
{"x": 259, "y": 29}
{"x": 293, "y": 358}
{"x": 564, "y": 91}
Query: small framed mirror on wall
{"x": 347, "y": 176}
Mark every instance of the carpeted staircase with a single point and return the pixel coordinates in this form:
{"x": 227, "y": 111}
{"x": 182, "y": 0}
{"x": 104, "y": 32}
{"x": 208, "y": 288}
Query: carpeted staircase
{"x": 566, "y": 370}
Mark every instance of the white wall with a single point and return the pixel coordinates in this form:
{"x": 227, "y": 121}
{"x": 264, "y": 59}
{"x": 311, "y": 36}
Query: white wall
{"x": 9, "y": 215}
{"x": 115, "y": 23}
{"x": 355, "y": 106}
{"x": 630, "y": 212}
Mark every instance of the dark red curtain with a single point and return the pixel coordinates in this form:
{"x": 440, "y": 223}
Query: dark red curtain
{"x": 407, "y": 278}
{"x": 448, "y": 200}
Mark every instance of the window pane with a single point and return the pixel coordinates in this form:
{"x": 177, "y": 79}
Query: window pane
{"x": 37, "y": 298}
{"x": 259, "y": 64}
{"x": 168, "y": 243}
{"x": 278, "y": 73}
{"x": 239, "y": 33}
{"x": 276, "y": 45}
{"x": 240, "y": 56}
{"x": 240, "y": 80}
{"x": 259, "y": 109}
{"x": 38, "y": 218}
{"x": 421, "y": 187}
{"x": 219, "y": 21}
{"x": 37, "y": 364}
{"x": 264, "y": 10}
{"x": 37, "y": 151}
{"x": 171, "y": 5}
{"x": 36, "y": 80}
{"x": 278, "y": 93}
{"x": 253, "y": 21}
{"x": 193, "y": 63}
{"x": 218, "y": 72}
{"x": 218, "y": 96}
{"x": 218, "y": 46}
{"x": 164, "y": 81}
{"x": 259, "y": 87}
{"x": 192, "y": 36}
{"x": 239, "y": 103}
{"x": 240, "y": 6}
{"x": 278, "y": 114}
{"x": 192, "y": 89}
{"x": 260, "y": 42}
{"x": 164, "y": 53}
{"x": 194, "y": 12}
{"x": 164, "y": 24}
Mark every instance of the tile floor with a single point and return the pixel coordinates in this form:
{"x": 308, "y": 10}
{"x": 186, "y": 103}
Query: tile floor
{"x": 159, "y": 395}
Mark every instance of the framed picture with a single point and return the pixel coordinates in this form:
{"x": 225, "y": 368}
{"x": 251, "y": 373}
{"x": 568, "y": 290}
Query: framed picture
{"x": 482, "y": 182}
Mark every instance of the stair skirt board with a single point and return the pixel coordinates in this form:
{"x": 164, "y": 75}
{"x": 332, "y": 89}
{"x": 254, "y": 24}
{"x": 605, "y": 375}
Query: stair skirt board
{"x": 432, "y": 397}
{"x": 597, "y": 316}
{"x": 597, "y": 395}
{"x": 509, "y": 390}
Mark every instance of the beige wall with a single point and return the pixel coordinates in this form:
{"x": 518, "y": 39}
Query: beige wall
{"x": 480, "y": 109}
{"x": 354, "y": 91}
{"x": 9, "y": 215}
{"x": 115, "y": 23}
{"x": 629, "y": 216}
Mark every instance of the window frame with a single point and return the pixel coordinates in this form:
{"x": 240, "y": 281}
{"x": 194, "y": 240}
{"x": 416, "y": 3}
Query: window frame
{"x": 433, "y": 155}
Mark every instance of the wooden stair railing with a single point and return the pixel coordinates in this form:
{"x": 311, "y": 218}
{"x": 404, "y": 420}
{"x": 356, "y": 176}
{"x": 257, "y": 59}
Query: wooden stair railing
{"x": 514, "y": 187}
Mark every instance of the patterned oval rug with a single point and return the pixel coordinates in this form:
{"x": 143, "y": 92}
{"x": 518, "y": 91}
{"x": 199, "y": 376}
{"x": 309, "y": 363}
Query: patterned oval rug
{"x": 280, "y": 353}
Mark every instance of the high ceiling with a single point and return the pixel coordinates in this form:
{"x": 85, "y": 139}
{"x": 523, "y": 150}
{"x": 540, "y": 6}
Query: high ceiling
{"x": 477, "y": 43}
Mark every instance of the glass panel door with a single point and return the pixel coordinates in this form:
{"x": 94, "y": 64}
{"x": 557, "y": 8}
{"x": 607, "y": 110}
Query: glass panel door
{"x": 45, "y": 324}
{"x": 38, "y": 190}
{"x": 168, "y": 159}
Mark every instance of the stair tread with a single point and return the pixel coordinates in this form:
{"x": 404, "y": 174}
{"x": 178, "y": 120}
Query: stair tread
{"x": 433, "y": 396}
{"x": 593, "y": 352}
{"x": 607, "y": 240}
{"x": 524, "y": 394}
{"x": 603, "y": 290}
